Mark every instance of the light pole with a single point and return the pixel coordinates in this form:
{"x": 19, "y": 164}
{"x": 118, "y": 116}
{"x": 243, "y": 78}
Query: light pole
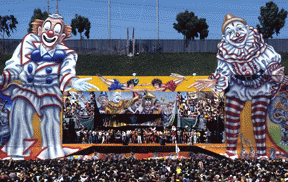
{"x": 109, "y": 19}
{"x": 48, "y": 6}
{"x": 57, "y": 8}
{"x": 157, "y": 18}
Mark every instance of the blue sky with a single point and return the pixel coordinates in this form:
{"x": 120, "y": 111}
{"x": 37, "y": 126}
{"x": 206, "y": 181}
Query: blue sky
{"x": 140, "y": 14}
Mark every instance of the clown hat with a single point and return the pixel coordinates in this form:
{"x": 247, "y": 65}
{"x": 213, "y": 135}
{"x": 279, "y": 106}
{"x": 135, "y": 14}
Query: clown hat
{"x": 149, "y": 96}
{"x": 103, "y": 94}
{"x": 230, "y": 18}
{"x": 136, "y": 96}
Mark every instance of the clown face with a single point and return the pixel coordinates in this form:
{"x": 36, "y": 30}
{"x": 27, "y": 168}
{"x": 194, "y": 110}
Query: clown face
{"x": 138, "y": 103}
{"x": 236, "y": 34}
{"x": 117, "y": 97}
{"x": 158, "y": 105}
{"x": 169, "y": 108}
{"x": 103, "y": 100}
{"x": 147, "y": 105}
{"x": 51, "y": 32}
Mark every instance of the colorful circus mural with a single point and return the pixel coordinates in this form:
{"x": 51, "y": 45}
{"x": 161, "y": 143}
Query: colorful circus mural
{"x": 48, "y": 111}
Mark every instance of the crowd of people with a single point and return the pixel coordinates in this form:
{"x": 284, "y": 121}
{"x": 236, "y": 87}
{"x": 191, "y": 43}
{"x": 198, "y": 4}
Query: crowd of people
{"x": 203, "y": 106}
{"x": 203, "y": 110}
{"x": 200, "y": 103}
{"x": 142, "y": 136}
{"x": 198, "y": 167}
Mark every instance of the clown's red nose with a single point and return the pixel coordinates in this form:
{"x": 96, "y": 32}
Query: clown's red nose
{"x": 50, "y": 33}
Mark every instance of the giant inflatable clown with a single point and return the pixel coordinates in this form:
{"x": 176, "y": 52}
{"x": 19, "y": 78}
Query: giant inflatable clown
{"x": 46, "y": 68}
{"x": 248, "y": 70}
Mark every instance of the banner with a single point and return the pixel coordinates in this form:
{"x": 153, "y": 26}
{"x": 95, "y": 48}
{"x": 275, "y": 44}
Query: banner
{"x": 277, "y": 120}
{"x": 5, "y": 106}
{"x": 84, "y": 110}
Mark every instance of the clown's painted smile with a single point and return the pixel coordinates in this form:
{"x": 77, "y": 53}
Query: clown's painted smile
{"x": 236, "y": 34}
{"x": 239, "y": 39}
{"x": 49, "y": 41}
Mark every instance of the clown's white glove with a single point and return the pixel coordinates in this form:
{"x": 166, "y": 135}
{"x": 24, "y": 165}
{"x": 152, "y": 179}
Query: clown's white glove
{"x": 81, "y": 84}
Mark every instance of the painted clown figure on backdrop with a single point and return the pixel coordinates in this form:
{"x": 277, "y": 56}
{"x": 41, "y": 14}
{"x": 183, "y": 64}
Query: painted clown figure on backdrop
{"x": 170, "y": 85}
{"x": 118, "y": 105}
{"x": 248, "y": 70}
{"x": 46, "y": 68}
{"x": 103, "y": 101}
{"x": 114, "y": 85}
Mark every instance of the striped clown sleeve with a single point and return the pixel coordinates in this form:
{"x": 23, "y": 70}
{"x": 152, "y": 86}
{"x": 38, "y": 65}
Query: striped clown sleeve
{"x": 67, "y": 71}
{"x": 273, "y": 59}
{"x": 7, "y": 77}
{"x": 222, "y": 75}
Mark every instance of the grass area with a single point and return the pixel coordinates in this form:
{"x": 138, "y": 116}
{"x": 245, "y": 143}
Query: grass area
{"x": 147, "y": 64}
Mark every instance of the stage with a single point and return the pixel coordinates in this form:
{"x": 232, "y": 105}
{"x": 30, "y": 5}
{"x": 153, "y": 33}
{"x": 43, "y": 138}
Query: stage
{"x": 146, "y": 150}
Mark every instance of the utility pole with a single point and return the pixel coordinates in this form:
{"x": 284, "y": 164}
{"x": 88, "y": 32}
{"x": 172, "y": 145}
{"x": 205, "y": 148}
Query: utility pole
{"x": 57, "y": 8}
{"x": 127, "y": 45}
{"x": 157, "y": 18}
{"x": 133, "y": 41}
{"x": 109, "y": 19}
{"x": 48, "y": 6}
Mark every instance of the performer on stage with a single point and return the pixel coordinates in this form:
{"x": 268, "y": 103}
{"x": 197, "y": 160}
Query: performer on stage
{"x": 46, "y": 68}
{"x": 248, "y": 70}
{"x": 173, "y": 134}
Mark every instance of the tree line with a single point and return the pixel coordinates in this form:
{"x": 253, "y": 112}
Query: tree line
{"x": 271, "y": 21}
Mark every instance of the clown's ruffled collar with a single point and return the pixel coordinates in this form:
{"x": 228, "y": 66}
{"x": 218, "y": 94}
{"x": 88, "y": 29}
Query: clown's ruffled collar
{"x": 254, "y": 47}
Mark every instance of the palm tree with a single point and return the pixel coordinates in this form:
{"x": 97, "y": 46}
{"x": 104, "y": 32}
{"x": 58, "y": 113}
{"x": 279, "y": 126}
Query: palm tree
{"x": 7, "y": 25}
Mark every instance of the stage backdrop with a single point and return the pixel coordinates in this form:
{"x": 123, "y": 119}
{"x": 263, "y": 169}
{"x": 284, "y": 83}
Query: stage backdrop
{"x": 276, "y": 126}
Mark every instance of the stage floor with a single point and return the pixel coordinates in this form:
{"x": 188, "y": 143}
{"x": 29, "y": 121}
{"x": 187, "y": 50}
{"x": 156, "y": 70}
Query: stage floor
{"x": 88, "y": 149}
